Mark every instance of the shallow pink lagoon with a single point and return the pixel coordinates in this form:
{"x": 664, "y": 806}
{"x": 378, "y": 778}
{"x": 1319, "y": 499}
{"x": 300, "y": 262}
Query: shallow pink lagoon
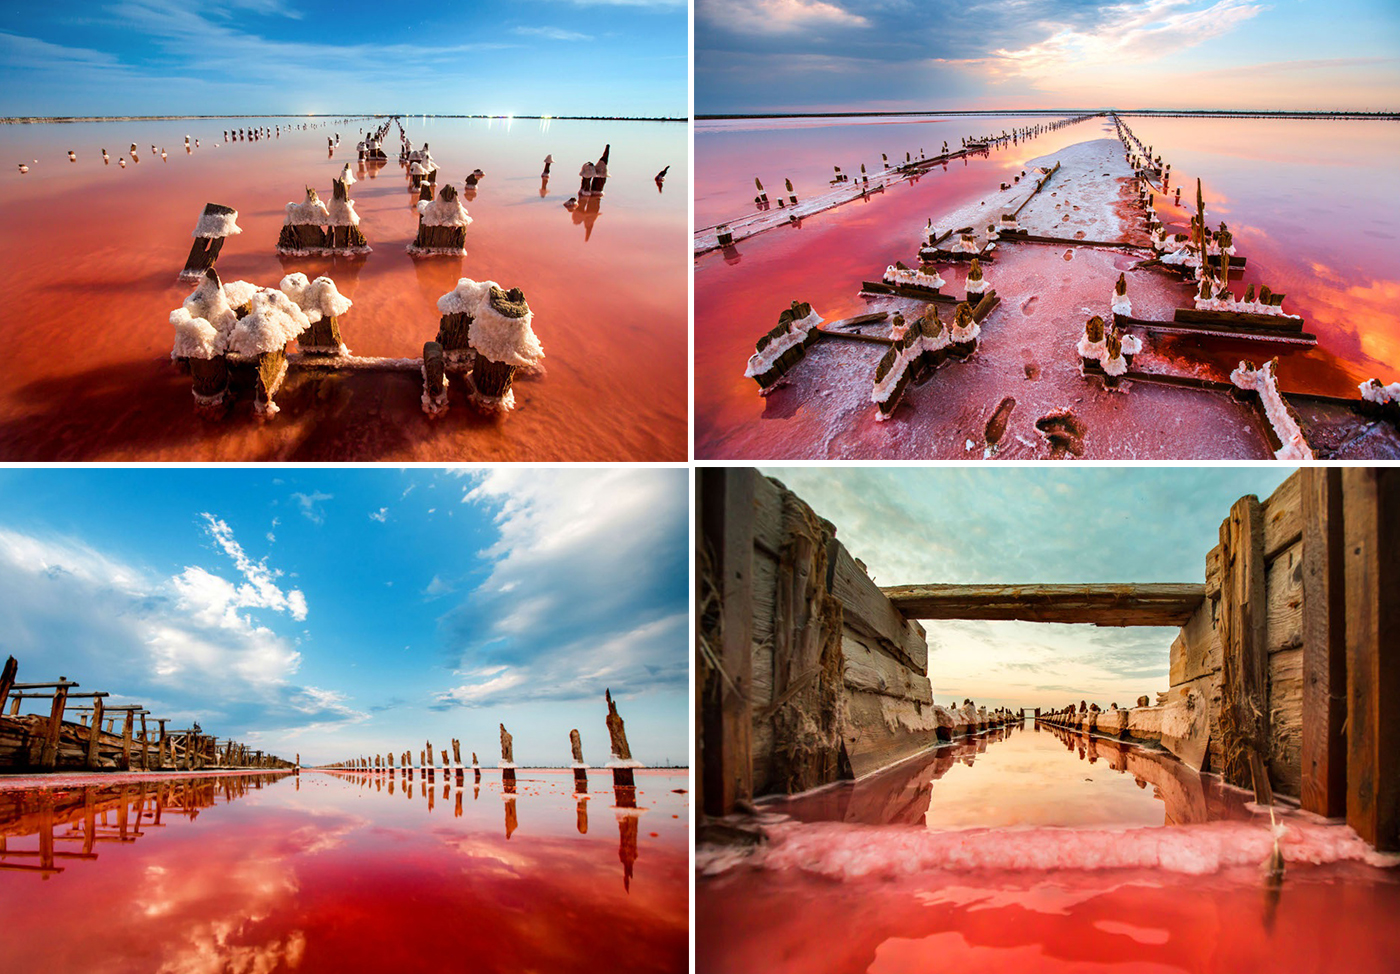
{"x": 1031, "y": 848}
{"x": 89, "y": 255}
{"x": 1300, "y": 197}
{"x": 322, "y": 872}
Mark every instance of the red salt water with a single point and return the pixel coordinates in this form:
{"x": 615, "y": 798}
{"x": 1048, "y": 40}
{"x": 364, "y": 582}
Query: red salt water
{"x": 997, "y": 853}
{"x": 89, "y": 255}
{"x": 737, "y": 299}
{"x": 337, "y": 872}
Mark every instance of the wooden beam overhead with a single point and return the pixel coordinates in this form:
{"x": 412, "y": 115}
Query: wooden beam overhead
{"x": 1150, "y": 604}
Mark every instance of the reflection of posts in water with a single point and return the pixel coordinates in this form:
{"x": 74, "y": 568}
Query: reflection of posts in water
{"x": 476, "y": 768}
{"x": 511, "y": 823}
{"x": 621, "y": 761}
{"x": 580, "y": 768}
{"x": 457, "y": 812}
{"x": 586, "y": 213}
{"x": 476, "y": 790}
{"x": 627, "y": 842}
{"x": 544, "y": 185}
{"x": 431, "y": 793}
{"x": 583, "y": 815}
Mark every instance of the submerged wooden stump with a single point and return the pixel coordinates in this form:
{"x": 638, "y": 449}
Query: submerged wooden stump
{"x": 271, "y": 371}
{"x": 210, "y": 380}
{"x": 215, "y": 223}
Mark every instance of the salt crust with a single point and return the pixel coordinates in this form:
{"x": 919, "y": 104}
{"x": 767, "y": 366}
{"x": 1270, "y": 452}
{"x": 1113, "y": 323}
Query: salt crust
{"x": 761, "y": 362}
{"x": 510, "y": 341}
{"x": 1263, "y": 381}
{"x": 217, "y": 225}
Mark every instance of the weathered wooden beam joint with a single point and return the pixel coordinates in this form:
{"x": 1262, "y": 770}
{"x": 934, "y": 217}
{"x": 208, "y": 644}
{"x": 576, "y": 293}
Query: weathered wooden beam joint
{"x": 1150, "y": 604}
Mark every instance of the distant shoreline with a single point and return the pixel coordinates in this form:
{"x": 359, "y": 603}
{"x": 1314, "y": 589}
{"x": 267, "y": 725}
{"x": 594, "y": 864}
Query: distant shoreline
{"x": 44, "y": 119}
{"x": 1163, "y": 112}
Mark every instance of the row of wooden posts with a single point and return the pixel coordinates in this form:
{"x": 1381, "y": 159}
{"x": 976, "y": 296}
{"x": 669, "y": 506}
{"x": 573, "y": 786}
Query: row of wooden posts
{"x": 622, "y": 761}
{"x": 46, "y": 743}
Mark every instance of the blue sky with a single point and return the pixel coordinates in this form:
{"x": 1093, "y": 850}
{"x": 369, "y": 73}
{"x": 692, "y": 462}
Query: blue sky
{"x": 892, "y": 55}
{"x": 345, "y": 611}
{"x": 169, "y": 57}
{"x": 1034, "y": 524}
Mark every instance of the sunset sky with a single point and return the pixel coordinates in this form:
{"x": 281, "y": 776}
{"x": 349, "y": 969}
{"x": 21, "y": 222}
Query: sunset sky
{"x": 835, "y": 55}
{"x": 1021, "y": 525}
{"x": 168, "y": 57}
{"x": 343, "y": 612}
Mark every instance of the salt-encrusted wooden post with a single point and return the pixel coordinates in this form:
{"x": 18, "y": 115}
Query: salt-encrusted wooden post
{"x": 457, "y": 760}
{"x": 199, "y": 343}
{"x": 434, "y": 398}
{"x": 261, "y": 337}
{"x": 600, "y": 172}
{"x": 343, "y": 231}
{"x": 507, "y": 758}
{"x": 580, "y": 769}
{"x": 494, "y": 325}
{"x": 476, "y": 768}
{"x": 442, "y": 225}
{"x": 432, "y": 770}
{"x": 215, "y": 223}
{"x": 303, "y": 231}
{"x": 784, "y": 346}
{"x": 621, "y": 761}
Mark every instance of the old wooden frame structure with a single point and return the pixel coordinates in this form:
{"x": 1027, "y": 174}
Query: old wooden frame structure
{"x": 1291, "y": 640}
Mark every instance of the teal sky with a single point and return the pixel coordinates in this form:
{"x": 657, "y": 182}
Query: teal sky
{"x": 1034, "y": 524}
{"x": 265, "y": 57}
{"x": 898, "y": 55}
{"x": 344, "y": 611}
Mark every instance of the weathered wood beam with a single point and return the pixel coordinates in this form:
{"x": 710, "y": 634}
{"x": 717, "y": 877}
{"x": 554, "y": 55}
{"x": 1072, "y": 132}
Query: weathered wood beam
{"x": 1371, "y": 514}
{"x": 1148, "y": 604}
{"x": 1243, "y": 630}
{"x": 1324, "y": 757}
{"x": 7, "y": 680}
{"x": 727, "y": 521}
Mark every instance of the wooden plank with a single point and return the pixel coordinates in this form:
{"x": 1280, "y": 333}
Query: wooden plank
{"x": 880, "y": 731}
{"x": 1243, "y": 621}
{"x": 1284, "y": 588}
{"x": 727, "y": 507}
{"x": 1155, "y": 604}
{"x": 869, "y": 668}
{"x": 48, "y": 758}
{"x": 866, "y": 609}
{"x": 1217, "y": 330}
{"x": 1286, "y": 720}
{"x": 1283, "y": 516}
{"x": 7, "y": 680}
{"x": 1323, "y": 787}
{"x": 1263, "y": 323}
{"x": 1196, "y": 650}
{"x": 1371, "y": 521}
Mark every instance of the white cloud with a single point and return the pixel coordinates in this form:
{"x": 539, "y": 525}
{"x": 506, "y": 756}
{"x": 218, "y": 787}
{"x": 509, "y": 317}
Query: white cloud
{"x": 553, "y": 33}
{"x": 260, "y": 590}
{"x": 776, "y": 16}
{"x": 311, "y": 505}
{"x": 380, "y": 515}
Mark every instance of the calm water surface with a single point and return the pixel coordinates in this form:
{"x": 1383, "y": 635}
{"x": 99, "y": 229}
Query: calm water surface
{"x": 1015, "y": 851}
{"x": 333, "y": 873}
{"x": 89, "y": 255}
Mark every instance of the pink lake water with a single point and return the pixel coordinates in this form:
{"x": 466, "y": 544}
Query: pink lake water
{"x": 332, "y": 872}
{"x": 1031, "y": 848}
{"x": 1305, "y": 200}
{"x": 89, "y": 255}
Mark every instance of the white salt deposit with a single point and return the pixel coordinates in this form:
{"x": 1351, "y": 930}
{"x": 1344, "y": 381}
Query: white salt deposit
{"x": 443, "y": 213}
{"x": 1091, "y": 350}
{"x": 318, "y": 298}
{"x": 273, "y": 322}
{"x": 1132, "y": 344}
{"x": 1122, "y": 305}
{"x": 500, "y": 338}
{"x": 215, "y": 225}
{"x": 761, "y": 362}
{"x": 1373, "y": 391}
{"x": 341, "y": 213}
{"x": 979, "y": 286}
{"x": 194, "y": 337}
{"x": 616, "y": 762}
{"x": 912, "y": 277}
{"x": 960, "y": 334}
{"x": 307, "y": 213}
{"x": 1114, "y": 366}
{"x": 211, "y": 302}
{"x": 347, "y": 177}
{"x": 1263, "y": 381}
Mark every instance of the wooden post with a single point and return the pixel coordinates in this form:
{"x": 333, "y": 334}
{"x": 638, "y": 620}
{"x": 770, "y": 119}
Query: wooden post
{"x": 621, "y": 753}
{"x": 126, "y": 740}
{"x": 7, "y": 679}
{"x": 1324, "y": 758}
{"x": 1371, "y": 516}
{"x": 725, "y": 676}
{"x": 507, "y": 760}
{"x": 1244, "y": 721}
{"x": 580, "y": 769}
{"x": 457, "y": 752}
{"x": 94, "y": 734}
{"x": 145, "y": 749}
{"x": 48, "y": 758}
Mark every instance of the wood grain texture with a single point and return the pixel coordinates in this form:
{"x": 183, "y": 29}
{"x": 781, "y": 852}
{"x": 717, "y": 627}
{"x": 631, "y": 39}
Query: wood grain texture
{"x": 868, "y": 610}
{"x": 1153, "y": 604}
{"x": 1323, "y": 758}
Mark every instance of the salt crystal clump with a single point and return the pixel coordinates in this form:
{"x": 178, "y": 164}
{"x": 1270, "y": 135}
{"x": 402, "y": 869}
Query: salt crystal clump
{"x": 443, "y": 213}
{"x": 273, "y": 321}
{"x": 211, "y": 301}
{"x": 763, "y": 360}
{"x": 309, "y": 212}
{"x": 1373, "y": 391}
{"x": 912, "y": 277}
{"x": 1263, "y": 381}
{"x": 499, "y": 337}
{"x": 215, "y": 224}
{"x": 346, "y": 176}
{"x": 341, "y": 213}
{"x": 194, "y": 337}
{"x": 317, "y": 299}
